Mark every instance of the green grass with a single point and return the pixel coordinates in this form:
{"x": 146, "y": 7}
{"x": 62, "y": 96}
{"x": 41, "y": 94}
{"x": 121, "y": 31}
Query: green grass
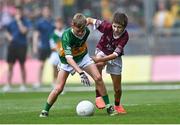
{"x": 142, "y": 106}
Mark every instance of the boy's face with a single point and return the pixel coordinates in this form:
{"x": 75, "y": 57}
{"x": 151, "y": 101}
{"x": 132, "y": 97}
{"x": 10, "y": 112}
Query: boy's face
{"x": 117, "y": 29}
{"x": 59, "y": 25}
{"x": 78, "y": 31}
{"x": 19, "y": 13}
{"x": 46, "y": 12}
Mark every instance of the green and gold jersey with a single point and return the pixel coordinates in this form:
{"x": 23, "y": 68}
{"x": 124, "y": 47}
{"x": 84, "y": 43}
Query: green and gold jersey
{"x": 73, "y": 45}
{"x": 55, "y": 40}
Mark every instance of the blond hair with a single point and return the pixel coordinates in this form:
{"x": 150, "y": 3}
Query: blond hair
{"x": 79, "y": 20}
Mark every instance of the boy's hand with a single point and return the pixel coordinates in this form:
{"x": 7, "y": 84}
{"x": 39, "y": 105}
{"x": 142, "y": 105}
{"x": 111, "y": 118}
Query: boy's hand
{"x": 84, "y": 79}
{"x": 88, "y": 21}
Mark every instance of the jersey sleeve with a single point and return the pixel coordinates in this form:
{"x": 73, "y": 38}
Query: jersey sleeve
{"x": 96, "y": 24}
{"x": 66, "y": 44}
{"x": 103, "y": 26}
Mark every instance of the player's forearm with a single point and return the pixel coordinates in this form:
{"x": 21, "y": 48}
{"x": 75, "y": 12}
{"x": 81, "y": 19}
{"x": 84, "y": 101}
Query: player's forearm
{"x": 22, "y": 28}
{"x": 107, "y": 58}
{"x": 73, "y": 64}
{"x": 90, "y": 20}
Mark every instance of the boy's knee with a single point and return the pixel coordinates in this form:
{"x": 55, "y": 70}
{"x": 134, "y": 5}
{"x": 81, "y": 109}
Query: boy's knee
{"x": 118, "y": 91}
{"x": 98, "y": 78}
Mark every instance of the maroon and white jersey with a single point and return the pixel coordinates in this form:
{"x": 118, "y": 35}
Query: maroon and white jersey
{"x": 108, "y": 44}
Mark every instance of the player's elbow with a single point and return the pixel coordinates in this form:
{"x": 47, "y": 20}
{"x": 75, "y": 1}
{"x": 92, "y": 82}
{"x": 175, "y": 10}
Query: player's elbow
{"x": 89, "y": 20}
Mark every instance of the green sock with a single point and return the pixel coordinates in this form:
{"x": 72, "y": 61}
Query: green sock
{"x": 106, "y": 99}
{"x": 47, "y": 107}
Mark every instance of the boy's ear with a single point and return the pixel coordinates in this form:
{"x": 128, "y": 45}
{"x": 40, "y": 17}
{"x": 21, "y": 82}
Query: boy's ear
{"x": 72, "y": 24}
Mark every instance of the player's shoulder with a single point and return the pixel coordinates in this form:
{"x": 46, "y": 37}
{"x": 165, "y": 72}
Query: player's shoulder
{"x": 87, "y": 30}
{"x": 107, "y": 24}
{"x": 125, "y": 35}
{"x": 66, "y": 32}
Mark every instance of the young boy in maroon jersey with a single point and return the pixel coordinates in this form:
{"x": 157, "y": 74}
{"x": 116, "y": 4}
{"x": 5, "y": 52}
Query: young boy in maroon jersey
{"x": 109, "y": 51}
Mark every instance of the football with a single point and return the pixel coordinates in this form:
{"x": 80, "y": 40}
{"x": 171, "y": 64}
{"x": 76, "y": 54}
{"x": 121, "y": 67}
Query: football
{"x": 85, "y": 108}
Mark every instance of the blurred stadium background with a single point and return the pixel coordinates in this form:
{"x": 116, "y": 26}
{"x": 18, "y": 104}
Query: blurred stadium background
{"x": 151, "y": 71}
{"x": 151, "y": 55}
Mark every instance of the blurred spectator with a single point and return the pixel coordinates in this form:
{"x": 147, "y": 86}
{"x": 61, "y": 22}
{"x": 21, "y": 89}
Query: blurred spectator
{"x": 163, "y": 18}
{"x": 6, "y": 12}
{"x": 68, "y": 10}
{"x": 44, "y": 28}
{"x": 17, "y": 49}
{"x": 175, "y": 10}
{"x": 106, "y": 10}
{"x": 28, "y": 8}
{"x": 32, "y": 9}
{"x": 55, "y": 44}
{"x": 133, "y": 8}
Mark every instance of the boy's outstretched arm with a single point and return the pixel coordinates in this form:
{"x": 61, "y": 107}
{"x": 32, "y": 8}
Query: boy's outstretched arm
{"x": 84, "y": 79}
{"x": 94, "y": 22}
{"x": 90, "y": 20}
{"x": 71, "y": 62}
{"x": 105, "y": 58}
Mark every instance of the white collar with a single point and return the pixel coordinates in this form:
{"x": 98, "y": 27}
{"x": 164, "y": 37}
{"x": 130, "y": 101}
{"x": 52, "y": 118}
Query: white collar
{"x": 59, "y": 32}
{"x": 116, "y": 37}
{"x": 78, "y": 36}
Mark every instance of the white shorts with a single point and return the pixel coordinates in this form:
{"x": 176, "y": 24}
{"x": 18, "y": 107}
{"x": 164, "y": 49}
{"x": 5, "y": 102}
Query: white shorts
{"x": 54, "y": 58}
{"x": 86, "y": 61}
{"x": 113, "y": 66}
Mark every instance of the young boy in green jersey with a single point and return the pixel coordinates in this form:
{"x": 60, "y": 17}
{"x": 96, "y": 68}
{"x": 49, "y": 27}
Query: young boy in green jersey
{"x": 74, "y": 56}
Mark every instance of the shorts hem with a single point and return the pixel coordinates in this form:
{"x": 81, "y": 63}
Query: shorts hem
{"x": 113, "y": 73}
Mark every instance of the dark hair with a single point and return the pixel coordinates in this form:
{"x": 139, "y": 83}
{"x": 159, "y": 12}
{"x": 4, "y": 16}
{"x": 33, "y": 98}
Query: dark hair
{"x": 79, "y": 20}
{"x": 120, "y": 18}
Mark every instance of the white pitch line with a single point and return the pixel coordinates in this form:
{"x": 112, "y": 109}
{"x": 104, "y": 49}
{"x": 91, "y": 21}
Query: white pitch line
{"x": 151, "y": 87}
{"x": 109, "y": 88}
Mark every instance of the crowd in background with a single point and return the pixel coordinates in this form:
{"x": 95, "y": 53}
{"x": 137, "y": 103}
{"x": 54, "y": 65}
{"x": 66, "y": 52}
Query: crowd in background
{"x": 167, "y": 10}
{"x": 166, "y": 14}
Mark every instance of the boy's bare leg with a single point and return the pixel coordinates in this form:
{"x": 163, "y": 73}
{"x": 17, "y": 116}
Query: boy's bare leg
{"x": 61, "y": 80}
{"x": 94, "y": 73}
{"x": 99, "y": 101}
{"x": 117, "y": 93}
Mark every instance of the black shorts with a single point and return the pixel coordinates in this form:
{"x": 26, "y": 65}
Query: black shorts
{"x": 16, "y": 53}
{"x": 44, "y": 54}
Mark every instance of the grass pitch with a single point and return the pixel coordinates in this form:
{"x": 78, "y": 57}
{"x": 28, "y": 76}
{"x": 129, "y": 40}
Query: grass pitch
{"x": 152, "y": 106}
